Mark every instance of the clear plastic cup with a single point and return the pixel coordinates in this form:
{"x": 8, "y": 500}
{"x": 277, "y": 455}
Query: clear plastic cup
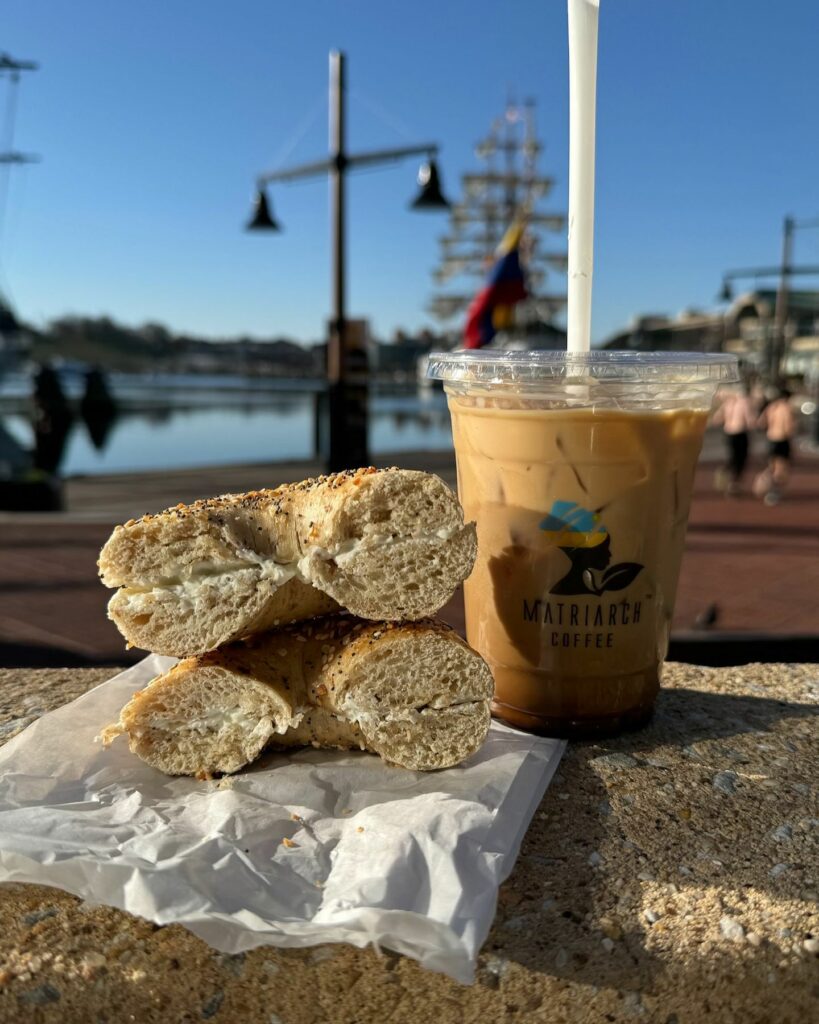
{"x": 578, "y": 470}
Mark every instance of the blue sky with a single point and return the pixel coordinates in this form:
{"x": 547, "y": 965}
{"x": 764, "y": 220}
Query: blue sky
{"x": 154, "y": 118}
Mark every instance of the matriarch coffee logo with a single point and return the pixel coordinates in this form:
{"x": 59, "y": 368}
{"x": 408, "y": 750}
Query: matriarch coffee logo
{"x": 586, "y": 543}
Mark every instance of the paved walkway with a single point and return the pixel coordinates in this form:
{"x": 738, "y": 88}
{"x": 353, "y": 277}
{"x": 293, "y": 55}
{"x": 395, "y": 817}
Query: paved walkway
{"x": 756, "y": 568}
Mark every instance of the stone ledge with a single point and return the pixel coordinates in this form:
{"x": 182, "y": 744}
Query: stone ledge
{"x": 670, "y": 875}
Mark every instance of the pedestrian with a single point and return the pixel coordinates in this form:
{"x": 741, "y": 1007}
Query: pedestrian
{"x": 737, "y": 416}
{"x": 778, "y": 420}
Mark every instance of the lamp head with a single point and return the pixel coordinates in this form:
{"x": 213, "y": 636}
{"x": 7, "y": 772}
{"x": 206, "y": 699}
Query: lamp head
{"x": 262, "y": 218}
{"x": 430, "y": 196}
{"x": 726, "y": 292}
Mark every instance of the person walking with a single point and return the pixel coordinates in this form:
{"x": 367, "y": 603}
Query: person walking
{"x": 737, "y": 416}
{"x": 778, "y": 420}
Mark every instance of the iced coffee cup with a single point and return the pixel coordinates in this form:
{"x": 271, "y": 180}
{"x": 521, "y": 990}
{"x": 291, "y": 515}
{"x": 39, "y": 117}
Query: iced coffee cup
{"x": 578, "y": 470}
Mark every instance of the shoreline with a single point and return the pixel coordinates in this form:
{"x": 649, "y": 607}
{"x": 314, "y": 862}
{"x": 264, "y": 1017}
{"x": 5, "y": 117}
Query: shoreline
{"x": 107, "y": 497}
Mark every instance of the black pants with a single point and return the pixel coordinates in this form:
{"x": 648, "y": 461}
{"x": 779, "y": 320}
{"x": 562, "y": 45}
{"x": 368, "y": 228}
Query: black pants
{"x": 780, "y": 450}
{"x": 737, "y": 454}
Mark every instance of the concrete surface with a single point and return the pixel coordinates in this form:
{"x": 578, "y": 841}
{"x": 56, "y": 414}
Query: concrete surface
{"x": 670, "y": 875}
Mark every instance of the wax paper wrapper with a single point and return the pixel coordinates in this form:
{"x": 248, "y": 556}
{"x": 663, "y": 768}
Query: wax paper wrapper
{"x": 411, "y": 861}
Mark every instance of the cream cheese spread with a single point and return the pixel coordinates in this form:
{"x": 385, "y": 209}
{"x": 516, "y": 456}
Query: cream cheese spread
{"x": 213, "y": 721}
{"x": 347, "y": 551}
{"x": 220, "y": 718}
{"x": 375, "y": 719}
{"x": 264, "y": 567}
{"x": 223, "y": 718}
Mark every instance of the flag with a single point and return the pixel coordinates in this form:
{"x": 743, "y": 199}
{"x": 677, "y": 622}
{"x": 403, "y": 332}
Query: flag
{"x": 492, "y": 306}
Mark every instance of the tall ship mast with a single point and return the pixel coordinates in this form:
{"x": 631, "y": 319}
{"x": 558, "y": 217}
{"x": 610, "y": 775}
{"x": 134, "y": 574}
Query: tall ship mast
{"x": 509, "y": 186}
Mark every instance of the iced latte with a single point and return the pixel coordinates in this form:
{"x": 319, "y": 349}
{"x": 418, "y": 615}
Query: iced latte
{"x": 579, "y": 478}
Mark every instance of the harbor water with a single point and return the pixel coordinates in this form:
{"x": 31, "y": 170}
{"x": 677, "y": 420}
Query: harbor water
{"x": 173, "y": 421}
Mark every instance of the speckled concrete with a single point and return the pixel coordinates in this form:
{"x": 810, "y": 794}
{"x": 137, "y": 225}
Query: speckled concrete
{"x": 668, "y": 876}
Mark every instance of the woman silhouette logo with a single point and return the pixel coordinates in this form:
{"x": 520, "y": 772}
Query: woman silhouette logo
{"x": 587, "y": 544}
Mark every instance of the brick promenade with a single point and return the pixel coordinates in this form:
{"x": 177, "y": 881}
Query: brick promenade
{"x": 759, "y": 566}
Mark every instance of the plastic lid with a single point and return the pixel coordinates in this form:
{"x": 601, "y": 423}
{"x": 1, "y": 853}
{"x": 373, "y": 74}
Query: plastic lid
{"x": 527, "y": 369}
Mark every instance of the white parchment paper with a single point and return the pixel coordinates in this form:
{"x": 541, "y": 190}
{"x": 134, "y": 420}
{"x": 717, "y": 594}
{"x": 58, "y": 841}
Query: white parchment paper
{"x": 407, "y": 860}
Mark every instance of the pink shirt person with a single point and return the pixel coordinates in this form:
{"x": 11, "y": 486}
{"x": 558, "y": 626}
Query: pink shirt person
{"x": 736, "y": 413}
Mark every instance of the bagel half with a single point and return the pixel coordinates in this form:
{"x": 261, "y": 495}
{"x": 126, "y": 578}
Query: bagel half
{"x": 415, "y": 694}
{"x": 382, "y": 544}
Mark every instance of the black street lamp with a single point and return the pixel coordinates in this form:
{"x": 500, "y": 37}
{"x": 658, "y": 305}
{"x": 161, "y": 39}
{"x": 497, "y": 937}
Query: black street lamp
{"x": 430, "y": 196}
{"x": 347, "y": 387}
{"x": 726, "y": 293}
{"x": 262, "y": 219}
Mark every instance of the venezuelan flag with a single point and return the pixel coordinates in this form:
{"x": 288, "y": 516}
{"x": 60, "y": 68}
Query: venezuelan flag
{"x": 492, "y": 306}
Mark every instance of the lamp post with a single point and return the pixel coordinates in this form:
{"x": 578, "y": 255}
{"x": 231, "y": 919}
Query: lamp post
{"x": 775, "y": 340}
{"x": 347, "y": 388}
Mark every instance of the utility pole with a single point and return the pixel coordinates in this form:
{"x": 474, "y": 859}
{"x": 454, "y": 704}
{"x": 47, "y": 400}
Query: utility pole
{"x": 781, "y": 313}
{"x": 8, "y": 156}
{"x": 775, "y": 338}
{"x": 776, "y": 345}
{"x": 11, "y": 67}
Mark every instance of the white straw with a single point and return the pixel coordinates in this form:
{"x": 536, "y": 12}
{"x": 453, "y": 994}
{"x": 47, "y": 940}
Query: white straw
{"x": 583, "y": 17}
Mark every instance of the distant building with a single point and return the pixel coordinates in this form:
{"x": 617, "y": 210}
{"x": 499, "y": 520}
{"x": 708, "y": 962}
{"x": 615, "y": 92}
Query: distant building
{"x": 691, "y": 331}
{"x": 399, "y": 358}
{"x": 276, "y": 358}
{"x": 743, "y": 329}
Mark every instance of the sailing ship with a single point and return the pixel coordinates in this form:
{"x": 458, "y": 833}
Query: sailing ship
{"x": 508, "y": 187}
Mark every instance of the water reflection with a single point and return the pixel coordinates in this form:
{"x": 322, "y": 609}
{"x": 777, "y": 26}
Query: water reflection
{"x": 98, "y": 408}
{"x": 53, "y": 420}
{"x": 95, "y": 428}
